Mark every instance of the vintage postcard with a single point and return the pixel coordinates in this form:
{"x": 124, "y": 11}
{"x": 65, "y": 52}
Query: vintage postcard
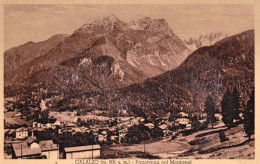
{"x": 129, "y": 83}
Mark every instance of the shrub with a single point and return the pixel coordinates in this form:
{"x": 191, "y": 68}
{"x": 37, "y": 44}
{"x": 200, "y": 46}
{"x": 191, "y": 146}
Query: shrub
{"x": 222, "y": 136}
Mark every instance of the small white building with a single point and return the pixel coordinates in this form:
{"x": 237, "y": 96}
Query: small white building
{"x": 82, "y": 152}
{"x": 21, "y": 133}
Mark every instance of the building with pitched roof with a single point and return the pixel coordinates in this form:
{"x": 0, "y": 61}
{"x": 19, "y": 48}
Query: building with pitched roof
{"x": 49, "y": 149}
{"x": 21, "y": 150}
{"x": 82, "y": 152}
{"x": 21, "y": 133}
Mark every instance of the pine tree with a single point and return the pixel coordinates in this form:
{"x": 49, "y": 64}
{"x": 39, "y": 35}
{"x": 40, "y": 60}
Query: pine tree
{"x": 173, "y": 117}
{"x": 235, "y": 100}
{"x": 230, "y": 107}
{"x": 210, "y": 110}
{"x": 226, "y": 108}
{"x": 249, "y": 116}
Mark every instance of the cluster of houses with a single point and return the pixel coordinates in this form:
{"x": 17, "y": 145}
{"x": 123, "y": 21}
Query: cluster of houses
{"x": 113, "y": 130}
{"x": 29, "y": 149}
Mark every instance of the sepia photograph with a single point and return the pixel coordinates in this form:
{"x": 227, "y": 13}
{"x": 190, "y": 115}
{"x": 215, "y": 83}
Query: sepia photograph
{"x": 129, "y": 81}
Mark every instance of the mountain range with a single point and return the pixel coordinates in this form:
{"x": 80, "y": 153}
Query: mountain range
{"x": 140, "y": 66}
{"x": 209, "y": 70}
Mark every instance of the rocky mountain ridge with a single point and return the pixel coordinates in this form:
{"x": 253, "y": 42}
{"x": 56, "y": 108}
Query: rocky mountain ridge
{"x": 143, "y": 47}
{"x": 102, "y": 56}
{"x": 209, "y": 70}
{"x": 193, "y": 43}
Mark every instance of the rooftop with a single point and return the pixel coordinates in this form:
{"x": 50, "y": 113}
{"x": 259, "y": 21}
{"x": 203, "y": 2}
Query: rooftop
{"x": 27, "y": 152}
{"x": 18, "y": 146}
{"x": 82, "y": 148}
{"x": 48, "y": 145}
{"x": 22, "y": 129}
{"x": 22, "y": 149}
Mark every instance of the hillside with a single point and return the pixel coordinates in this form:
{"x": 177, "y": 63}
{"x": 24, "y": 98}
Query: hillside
{"x": 18, "y": 56}
{"x": 101, "y": 56}
{"x": 208, "y": 71}
{"x": 147, "y": 45}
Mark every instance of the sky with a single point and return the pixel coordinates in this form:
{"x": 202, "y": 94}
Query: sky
{"x": 23, "y": 23}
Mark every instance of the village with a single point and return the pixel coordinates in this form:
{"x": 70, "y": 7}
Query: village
{"x": 40, "y": 139}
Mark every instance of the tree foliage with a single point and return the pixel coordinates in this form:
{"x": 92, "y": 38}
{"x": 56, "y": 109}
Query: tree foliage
{"x": 210, "y": 110}
{"x": 230, "y": 105}
{"x": 249, "y": 116}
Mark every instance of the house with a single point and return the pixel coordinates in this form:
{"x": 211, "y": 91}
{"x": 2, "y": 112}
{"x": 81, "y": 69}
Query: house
{"x": 18, "y": 114}
{"x": 203, "y": 121}
{"x": 70, "y": 124}
{"x": 48, "y": 125}
{"x": 122, "y": 133}
{"x": 21, "y": 150}
{"x": 188, "y": 127}
{"x": 134, "y": 121}
{"x": 167, "y": 132}
{"x": 39, "y": 125}
{"x": 49, "y": 149}
{"x": 75, "y": 120}
{"x": 114, "y": 138}
{"x": 30, "y": 139}
{"x": 56, "y": 123}
{"x": 164, "y": 129}
{"x": 149, "y": 125}
{"x": 182, "y": 114}
{"x": 34, "y": 145}
{"x": 43, "y": 126}
{"x": 182, "y": 122}
{"x": 218, "y": 116}
{"x": 34, "y": 124}
{"x": 102, "y": 138}
{"x": 21, "y": 133}
{"x": 82, "y": 152}
{"x": 163, "y": 126}
{"x": 142, "y": 120}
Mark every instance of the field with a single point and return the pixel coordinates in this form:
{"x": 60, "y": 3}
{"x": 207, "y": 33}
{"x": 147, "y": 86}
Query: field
{"x": 66, "y": 117}
{"x": 11, "y": 119}
{"x": 204, "y": 144}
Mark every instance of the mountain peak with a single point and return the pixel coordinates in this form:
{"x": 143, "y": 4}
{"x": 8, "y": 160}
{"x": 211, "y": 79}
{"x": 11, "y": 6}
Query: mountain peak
{"x": 111, "y": 23}
{"x": 111, "y": 18}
